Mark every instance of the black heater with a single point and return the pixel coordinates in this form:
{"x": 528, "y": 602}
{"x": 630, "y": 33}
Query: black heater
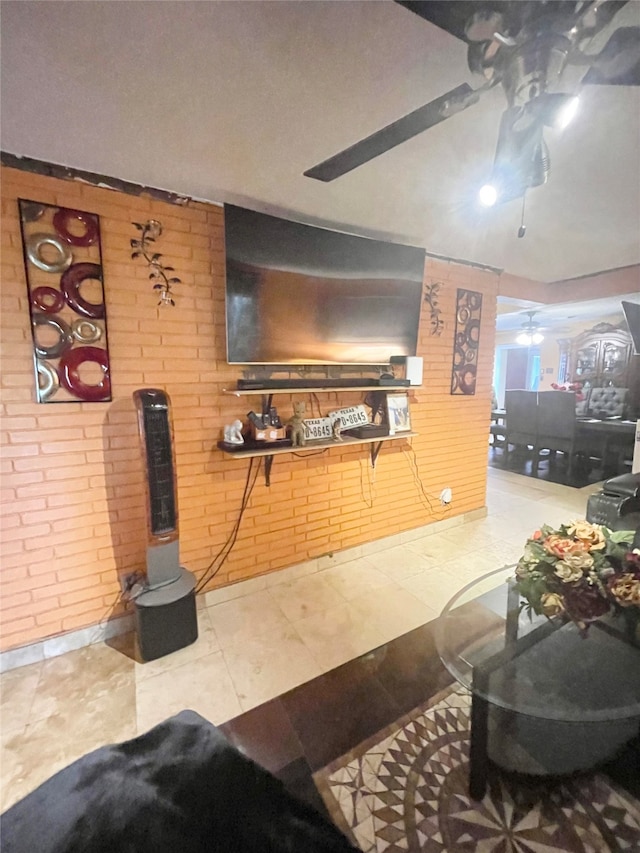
{"x": 166, "y": 618}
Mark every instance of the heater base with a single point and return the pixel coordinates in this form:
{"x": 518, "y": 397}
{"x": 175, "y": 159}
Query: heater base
{"x": 166, "y": 618}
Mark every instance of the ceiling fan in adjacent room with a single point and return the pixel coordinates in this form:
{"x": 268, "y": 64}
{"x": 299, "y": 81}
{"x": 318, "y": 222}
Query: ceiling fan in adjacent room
{"x": 531, "y": 334}
{"x": 525, "y": 46}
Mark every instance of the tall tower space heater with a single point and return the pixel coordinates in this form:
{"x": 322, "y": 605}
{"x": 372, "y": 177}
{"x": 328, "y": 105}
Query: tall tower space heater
{"x": 166, "y": 618}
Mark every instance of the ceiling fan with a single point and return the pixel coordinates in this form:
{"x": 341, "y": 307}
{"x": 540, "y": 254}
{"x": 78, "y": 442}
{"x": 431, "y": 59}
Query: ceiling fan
{"x": 524, "y": 46}
{"x": 531, "y": 333}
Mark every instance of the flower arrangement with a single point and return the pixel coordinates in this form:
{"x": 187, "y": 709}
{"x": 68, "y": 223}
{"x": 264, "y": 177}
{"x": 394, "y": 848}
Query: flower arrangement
{"x": 582, "y": 570}
{"x": 570, "y": 386}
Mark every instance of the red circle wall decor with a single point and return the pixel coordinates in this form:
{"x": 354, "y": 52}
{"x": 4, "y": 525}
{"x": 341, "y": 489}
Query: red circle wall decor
{"x": 70, "y": 284}
{"x": 61, "y": 220}
{"x": 66, "y": 301}
{"x": 47, "y": 299}
{"x": 70, "y": 377}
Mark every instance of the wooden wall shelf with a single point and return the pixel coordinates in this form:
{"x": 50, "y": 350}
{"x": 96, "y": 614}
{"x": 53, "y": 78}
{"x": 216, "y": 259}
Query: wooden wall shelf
{"x": 310, "y": 447}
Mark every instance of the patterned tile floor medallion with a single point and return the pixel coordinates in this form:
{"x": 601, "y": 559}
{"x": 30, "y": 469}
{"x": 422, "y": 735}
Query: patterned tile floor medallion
{"x": 405, "y": 789}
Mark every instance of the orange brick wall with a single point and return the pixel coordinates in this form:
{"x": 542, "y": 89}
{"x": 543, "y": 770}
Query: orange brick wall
{"x": 73, "y": 513}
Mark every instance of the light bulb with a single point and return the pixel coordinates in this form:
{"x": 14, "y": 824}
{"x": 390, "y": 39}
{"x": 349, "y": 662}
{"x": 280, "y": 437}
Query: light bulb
{"x": 537, "y": 338}
{"x": 524, "y": 339}
{"x": 488, "y": 195}
{"x": 566, "y": 114}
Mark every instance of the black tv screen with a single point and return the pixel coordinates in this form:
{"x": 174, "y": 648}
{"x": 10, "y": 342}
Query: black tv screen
{"x": 299, "y": 294}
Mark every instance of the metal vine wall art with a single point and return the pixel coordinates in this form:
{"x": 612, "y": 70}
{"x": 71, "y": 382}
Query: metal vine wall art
{"x": 431, "y": 298}
{"x": 467, "y": 338}
{"x": 151, "y": 230}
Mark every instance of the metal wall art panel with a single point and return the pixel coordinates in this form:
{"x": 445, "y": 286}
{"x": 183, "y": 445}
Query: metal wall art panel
{"x": 63, "y": 266}
{"x": 467, "y": 338}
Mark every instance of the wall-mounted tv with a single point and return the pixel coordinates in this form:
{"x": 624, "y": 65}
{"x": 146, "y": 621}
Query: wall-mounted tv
{"x": 299, "y": 294}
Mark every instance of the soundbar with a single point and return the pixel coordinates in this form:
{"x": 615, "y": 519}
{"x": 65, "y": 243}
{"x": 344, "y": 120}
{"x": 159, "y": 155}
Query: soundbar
{"x": 356, "y": 382}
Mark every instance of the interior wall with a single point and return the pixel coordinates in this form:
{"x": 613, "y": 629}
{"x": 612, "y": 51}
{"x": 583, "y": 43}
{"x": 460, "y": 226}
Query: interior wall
{"x": 73, "y": 511}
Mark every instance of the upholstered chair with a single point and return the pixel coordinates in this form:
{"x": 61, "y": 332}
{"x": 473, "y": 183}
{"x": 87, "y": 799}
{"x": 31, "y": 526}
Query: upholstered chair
{"x": 608, "y": 402}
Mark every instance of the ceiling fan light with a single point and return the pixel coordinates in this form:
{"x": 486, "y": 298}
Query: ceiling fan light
{"x": 524, "y": 339}
{"x": 488, "y": 195}
{"x": 537, "y": 338}
{"x": 566, "y": 113}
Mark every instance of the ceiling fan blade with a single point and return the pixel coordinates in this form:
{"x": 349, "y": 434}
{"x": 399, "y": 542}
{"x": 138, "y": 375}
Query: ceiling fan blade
{"x": 618, "y": 63}
{"x": 393, "y": 134}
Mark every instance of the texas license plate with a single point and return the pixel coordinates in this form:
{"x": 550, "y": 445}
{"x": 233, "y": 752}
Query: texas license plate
{"x": 317, "y": 428}
{"x": 350, "y": 417}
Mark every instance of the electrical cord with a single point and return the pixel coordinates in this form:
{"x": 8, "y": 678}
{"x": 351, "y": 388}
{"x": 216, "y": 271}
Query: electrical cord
{"x": 226, "y": 549}
{"x": 367, "y": 501}
{"x": 413, "y": 465}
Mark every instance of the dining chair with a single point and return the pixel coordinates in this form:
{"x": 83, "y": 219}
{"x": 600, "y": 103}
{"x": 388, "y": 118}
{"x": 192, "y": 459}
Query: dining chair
{"x": 521, "y": 419}
{"x": 557, "y": 427}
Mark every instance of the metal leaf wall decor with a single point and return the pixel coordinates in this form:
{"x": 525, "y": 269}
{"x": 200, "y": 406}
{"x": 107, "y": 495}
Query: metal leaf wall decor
{"x": 151, "y": 230}
{"x": 431, "y": 298}
{"x": 466, "y": 341}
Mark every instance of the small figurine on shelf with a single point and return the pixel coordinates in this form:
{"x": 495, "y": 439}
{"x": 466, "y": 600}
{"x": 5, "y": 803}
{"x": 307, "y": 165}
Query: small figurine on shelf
{"x": 296, "y": 422}
{"x": 336, "y": 429}
{"x": 233, "y": 433}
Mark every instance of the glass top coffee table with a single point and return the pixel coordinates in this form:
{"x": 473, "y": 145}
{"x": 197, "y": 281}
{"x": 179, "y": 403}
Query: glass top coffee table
{"x": 546, "y": 698}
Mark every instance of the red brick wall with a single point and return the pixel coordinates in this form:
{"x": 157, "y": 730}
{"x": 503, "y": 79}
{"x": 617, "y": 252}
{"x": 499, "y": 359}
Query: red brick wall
{"x": 73, "y": 513}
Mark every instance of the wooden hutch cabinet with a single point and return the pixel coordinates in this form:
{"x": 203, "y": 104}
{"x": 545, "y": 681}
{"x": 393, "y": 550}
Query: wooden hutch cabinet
{"x": 599, "y": 357}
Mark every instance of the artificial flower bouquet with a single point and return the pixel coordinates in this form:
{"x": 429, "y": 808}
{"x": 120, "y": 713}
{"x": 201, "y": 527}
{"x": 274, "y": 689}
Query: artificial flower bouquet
{"x": 570, "y": 386}
{"x": 581, "y": 570}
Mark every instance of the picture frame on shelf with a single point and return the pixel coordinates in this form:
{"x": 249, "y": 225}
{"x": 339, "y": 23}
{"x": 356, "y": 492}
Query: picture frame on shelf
{"x": 398, "y": 414}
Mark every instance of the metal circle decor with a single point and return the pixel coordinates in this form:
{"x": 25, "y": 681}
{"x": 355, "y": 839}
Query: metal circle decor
{"x": 86, "y": 331}
{"x": 65, "y": 338}
{"x": 466, "y": 342}
{"x": 34, "y": 244}
{"x": 70, "y": 377}
{"x": 61, "y": 220}
{"x": 48, "y": 380}
{"x": 47, "y": 299}
{"x": 473, "y": 333}
{"x": 31, "y": 211}
{"x": 70, "y": 284}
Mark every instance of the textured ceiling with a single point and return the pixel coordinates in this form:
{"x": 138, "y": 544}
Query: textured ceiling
{"x": 232, "y": 101}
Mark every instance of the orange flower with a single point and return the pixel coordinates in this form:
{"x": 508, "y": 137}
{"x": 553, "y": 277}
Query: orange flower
{"x": 561, "y": 547}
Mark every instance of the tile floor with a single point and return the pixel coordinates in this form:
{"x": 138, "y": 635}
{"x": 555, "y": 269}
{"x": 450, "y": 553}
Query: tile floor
{"x": 298, "y": 627}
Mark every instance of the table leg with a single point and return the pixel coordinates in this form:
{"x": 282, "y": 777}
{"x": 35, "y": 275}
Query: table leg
{"x": 478, "y": 759}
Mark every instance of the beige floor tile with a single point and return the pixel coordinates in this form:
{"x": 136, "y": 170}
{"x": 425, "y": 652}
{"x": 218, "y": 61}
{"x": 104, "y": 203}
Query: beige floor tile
{"x": 302, "y": 597}
{"x": 337, "y": 636}
{"x": 250, "y": 616}
{"x": 434, "y": 591}
{"x": 203, "y": 685}
{"x": 439, "y": 548}
{"x": 355, "y": 578}
{"x": 17, "y": 693}
{"x": 402, "y": 561}
{"x": 263, "y": 668}
{"x": 394, "y": 611}
{"x": 80, "y": 677}
{"x": 46, "y": 746}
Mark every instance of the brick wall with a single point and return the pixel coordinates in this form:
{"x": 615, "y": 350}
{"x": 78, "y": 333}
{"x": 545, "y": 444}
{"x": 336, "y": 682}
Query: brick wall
{"x": 73, "y": 512}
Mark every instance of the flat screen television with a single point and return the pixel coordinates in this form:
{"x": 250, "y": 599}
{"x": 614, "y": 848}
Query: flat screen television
{"x": 299, "y": 294}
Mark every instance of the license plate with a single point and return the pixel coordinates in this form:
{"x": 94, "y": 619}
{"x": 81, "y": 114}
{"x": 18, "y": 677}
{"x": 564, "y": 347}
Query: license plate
{"x": 350, "y": 417}
{"x": 317, "y": 428}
